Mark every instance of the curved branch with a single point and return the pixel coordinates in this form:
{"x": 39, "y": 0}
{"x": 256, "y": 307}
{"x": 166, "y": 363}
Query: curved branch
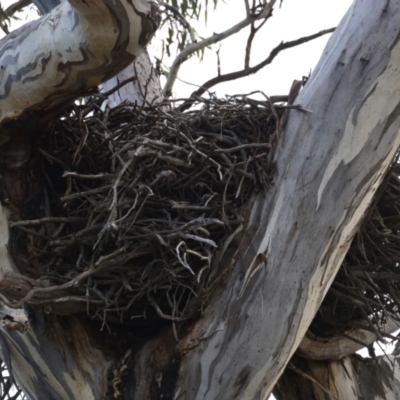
{"x": 193, "y": 47}
{"x": 316, "y": 348}
{"x": 252, "y": 70}
{"x": 44, "y": 68}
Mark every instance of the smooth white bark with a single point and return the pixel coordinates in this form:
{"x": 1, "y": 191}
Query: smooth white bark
{"x": 78, "y": 45}
{"x": 146, "y": 87}
{"x": 330, "y": 163}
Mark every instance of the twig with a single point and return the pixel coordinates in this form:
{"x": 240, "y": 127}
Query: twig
{"x": 117, "y": 87}
{"x": 251, "y": 70}
{"x": 193, "y": 47}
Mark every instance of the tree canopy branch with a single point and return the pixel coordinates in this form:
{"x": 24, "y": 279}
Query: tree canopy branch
{"x": 193, "y": 47}
{"x": 251, "y": 70}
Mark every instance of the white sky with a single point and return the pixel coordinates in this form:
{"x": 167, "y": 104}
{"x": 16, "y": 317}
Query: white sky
{"x": 295, "y": 19}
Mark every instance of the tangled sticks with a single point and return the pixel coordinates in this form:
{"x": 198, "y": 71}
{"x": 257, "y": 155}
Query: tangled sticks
{"x": 366, "y": 291}
{"x": 140, "y": 206}
{"x": 139, "y": 201}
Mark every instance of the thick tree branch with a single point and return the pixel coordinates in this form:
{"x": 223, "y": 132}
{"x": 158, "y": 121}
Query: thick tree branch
{"x": 193, "y": 47}
{"x": 329, "y": 164}
{"x": 351, "y": 378}
{"x": 315, "y": 348}
{"x": 43, "y": 67}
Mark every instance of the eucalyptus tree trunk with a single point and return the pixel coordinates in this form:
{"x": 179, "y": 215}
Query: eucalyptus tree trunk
{"x": 329, "y": 164}
{"x": 281, "y": 262}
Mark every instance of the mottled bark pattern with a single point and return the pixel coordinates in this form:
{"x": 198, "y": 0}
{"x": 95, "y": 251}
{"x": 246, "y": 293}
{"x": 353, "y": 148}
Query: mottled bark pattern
{"x": 57, "y": 363}
{"x": 78, "y": 45}
{"x": 329, "y": 165}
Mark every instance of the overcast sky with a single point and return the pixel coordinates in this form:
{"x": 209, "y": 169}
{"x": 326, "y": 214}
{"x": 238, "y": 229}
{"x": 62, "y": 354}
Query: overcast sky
{"x": 293, "y": 20}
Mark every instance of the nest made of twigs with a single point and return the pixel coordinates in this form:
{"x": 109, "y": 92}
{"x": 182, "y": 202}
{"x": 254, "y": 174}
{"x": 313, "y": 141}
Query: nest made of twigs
{"x": 366, "y": 290}
{"x": 140, "y": 200}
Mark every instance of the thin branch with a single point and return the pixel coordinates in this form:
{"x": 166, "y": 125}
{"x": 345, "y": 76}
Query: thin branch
{"x": 247, "y": 5}
{"x": 193, "y": 47}
{"x": 253, "y": 32}
{"x": 247, "y": 71}
{"x": 119, "y": 86}
{"x": 184, "y": 22}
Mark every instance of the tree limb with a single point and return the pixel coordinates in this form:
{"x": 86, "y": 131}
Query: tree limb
{"x": 50, "y": 68}
{"x": 193, "y": 47}
{"x": 315, "y": 348}
{"x": 252, "y": 70}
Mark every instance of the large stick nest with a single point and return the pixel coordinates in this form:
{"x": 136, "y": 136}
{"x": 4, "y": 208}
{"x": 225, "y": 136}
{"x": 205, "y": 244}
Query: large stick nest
{"x": 139, "y": 200}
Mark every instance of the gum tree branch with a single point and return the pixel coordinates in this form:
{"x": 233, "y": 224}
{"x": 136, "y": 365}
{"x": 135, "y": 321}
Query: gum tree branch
{"x": 43, "y": 68}
{"x": 252, "y": 70}
{"x": 336, "y": 348}
{"x": 193, "y": 47}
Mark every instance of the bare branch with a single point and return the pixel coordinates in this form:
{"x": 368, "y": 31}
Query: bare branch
{"x": 193, "y": 47}
{"x": 252, "y": 70}
{"x": 253, "y": 32}
{"x": 247, "y": 5}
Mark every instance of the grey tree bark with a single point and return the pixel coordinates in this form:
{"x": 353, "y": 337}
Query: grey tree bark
{"x": 145, "y": 86}
{"x": 283, "y": 259}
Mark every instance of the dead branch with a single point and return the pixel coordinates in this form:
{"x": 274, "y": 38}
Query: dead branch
{"x": 194, "y": 47}
{"x": 251, "y": 70}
